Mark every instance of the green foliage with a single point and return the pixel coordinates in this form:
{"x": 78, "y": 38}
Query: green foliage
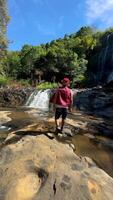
{"x": 80, "y": 81}
{"x": 8, "y": 81}
{"x": 24, "y": 83}
{"x": 84, "y": 31}
{"x": 71, "y": 56}
{"x": 108, "y": 31}
{"x": 12, "y": 64}
{"x": 47, "y": 85}
{"x": 4, "y": 80}
{"x": 28, "y": 57}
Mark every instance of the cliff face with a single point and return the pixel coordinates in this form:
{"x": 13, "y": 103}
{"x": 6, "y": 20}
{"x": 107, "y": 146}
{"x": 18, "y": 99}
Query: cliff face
{"x": 101, "y": 62}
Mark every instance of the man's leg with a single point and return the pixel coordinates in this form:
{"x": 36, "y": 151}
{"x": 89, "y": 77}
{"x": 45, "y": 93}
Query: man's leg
{"x": 62, "y": 124}
{"x": 57, "y": 119}
{"x": 57, "y": 123}
{"x": 64, "y": 115}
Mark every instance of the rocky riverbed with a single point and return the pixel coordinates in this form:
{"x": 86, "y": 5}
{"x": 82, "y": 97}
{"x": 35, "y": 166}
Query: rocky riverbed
{"x": 35, "y": 167}
{"x": 36, "y": 164}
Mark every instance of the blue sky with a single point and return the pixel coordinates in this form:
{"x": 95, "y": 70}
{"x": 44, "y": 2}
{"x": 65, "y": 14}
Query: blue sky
{"x": 35, "y": 22}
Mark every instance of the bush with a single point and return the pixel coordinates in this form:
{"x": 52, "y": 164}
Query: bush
{"x": 46, "y": 85}
{"x": 8, "y": 81}
{"x": 80, "y": 81}
{"x": 3, "y": 80}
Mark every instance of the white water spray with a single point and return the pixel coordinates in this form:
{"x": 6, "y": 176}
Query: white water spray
{"x": 39, "y": 99}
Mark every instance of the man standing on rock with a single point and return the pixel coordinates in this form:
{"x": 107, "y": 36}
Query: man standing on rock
{"x": 62, "y": 100}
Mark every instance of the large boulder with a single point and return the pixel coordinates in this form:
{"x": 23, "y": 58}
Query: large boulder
{"x": 36, "y": 168}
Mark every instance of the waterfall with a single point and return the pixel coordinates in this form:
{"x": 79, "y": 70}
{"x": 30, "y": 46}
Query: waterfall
{"x": 102, "y": 58}
{"x": 105, "y": 58}
{"x": 39, "y": 99}
{"x": 110, "y": 77}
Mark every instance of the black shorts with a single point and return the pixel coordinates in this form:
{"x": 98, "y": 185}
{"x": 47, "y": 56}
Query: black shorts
{"x": 61, "y": 112}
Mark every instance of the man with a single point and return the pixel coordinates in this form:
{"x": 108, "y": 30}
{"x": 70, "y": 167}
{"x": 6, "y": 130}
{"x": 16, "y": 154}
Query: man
{"x": 63, "y": 100}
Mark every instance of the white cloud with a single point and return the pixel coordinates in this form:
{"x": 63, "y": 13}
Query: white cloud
{"x": 100, "y": 10}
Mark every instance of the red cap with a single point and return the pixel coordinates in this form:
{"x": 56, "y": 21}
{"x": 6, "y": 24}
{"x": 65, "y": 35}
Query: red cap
{"x": 66, "y": 80}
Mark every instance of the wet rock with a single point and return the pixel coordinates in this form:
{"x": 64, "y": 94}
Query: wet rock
{"x": 72, "y": 146}
{"x": 105, "y": 129}
{"x": 89, "y": 135}
{"x": 67, "y": 132}
{"x": 61, "y": 135}
{"x": 50, "y": 135}
{"x": 76, "y": 130}
{"x": 36, "y": 167}
{"x": 98, "y": 101}
{"x": 14, "y": 97}
{"x": 4, "y": 117}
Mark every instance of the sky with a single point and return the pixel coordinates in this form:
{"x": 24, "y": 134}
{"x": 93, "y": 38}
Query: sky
{"x": 35, "y": 22}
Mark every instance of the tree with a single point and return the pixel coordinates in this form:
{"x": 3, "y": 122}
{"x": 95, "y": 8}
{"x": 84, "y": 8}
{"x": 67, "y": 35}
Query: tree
{"x": 28, "y": 56}
{"x": 86, "y": 30}
{"x": 12, "y": 64}
{"x": 71, "y": 56}
{"x": 4, "y": 18}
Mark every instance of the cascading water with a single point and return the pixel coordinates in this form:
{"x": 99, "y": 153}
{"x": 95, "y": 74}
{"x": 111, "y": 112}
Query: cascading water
{"x": 101, "y": 62}
{"x": 110, "y": 77}
{"x": 39, "y": 99}
{"x": 102, "y": 58}
{"x": 105, "y": 61}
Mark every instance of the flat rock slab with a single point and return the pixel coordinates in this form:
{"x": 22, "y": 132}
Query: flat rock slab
{"x": 37, "y": 168}
{"x": 4, "y": 117}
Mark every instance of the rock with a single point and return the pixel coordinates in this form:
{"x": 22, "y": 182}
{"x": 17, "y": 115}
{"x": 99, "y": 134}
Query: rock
{"x": 4, "y": 117}
{"x": 60, "y": 135}
{"x": 67, "y": 132}
{"x": 35, "y": 167}
{"x": 98, "y": 101}
{"x": 89, "y": 135}
{"x": 14, "y": 97}
{"x": 72, "y": 146}
{"x": 50, "y": 135}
